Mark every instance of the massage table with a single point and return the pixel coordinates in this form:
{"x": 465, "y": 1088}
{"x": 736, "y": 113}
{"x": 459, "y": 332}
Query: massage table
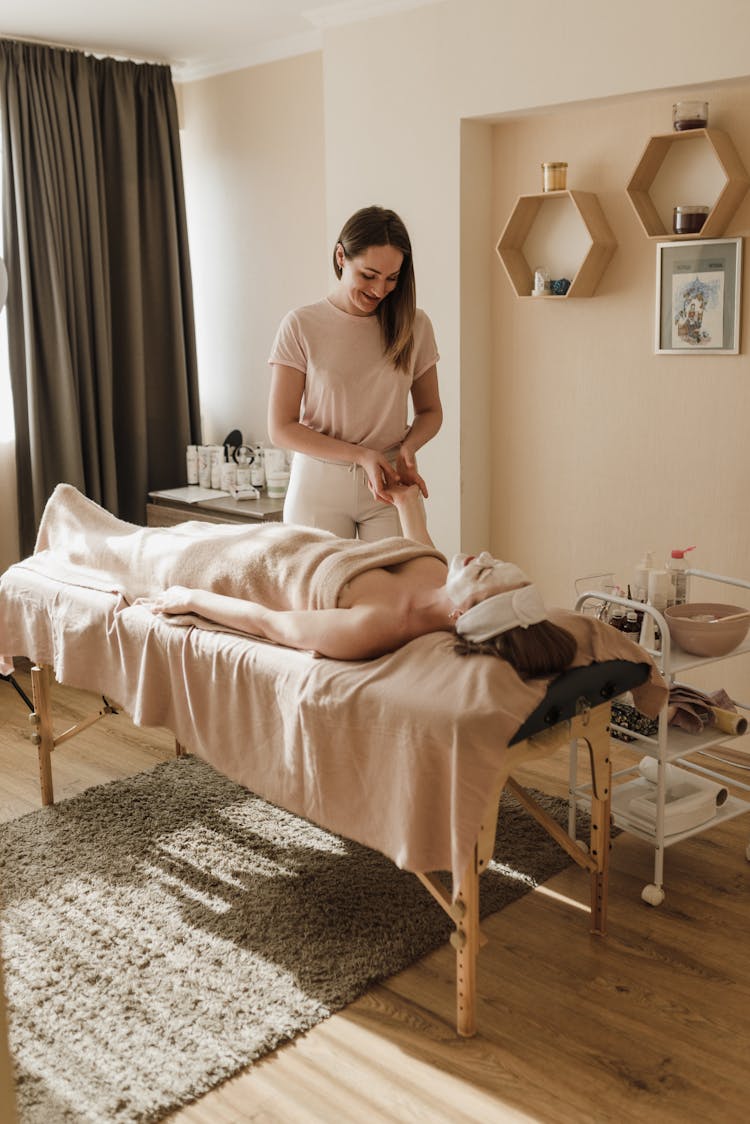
{"x": 408, "y": 753}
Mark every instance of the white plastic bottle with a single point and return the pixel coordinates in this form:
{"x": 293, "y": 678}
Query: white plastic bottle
{"x": 658, "y": 594}
{"x": 257, "y": 471}
{"x": 640, "y": 576}
{"x": 191, "y": 459}
{"x": 676, "y": 564}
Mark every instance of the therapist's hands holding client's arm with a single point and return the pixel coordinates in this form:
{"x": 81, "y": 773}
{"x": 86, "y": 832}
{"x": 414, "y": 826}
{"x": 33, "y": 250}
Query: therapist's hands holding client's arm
{"x": 428, "y": 417}
{"x": 287, "y": 432}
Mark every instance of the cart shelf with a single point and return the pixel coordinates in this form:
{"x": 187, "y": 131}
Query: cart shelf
{"x": 669, "y": 746}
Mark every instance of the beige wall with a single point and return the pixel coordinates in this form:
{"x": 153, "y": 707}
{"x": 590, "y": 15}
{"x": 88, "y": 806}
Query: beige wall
{"x": 395, "y": 133}
{"x": 603, "y": 448}
{"x": 404, "y": 110}
{"x": 253, "y": 148}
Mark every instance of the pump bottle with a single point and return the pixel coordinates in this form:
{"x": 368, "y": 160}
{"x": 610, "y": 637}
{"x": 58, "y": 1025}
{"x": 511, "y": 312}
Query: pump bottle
{"x": 640, "y": 584}
{"x": 676, "y": 564}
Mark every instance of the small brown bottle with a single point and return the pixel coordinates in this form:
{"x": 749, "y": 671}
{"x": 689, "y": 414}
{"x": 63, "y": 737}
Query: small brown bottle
{"x": 617, "y": 620}
{"x": 632, "y": 623}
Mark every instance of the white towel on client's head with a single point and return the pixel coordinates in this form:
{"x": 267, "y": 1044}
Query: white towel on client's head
{"x": 518, "y": 608}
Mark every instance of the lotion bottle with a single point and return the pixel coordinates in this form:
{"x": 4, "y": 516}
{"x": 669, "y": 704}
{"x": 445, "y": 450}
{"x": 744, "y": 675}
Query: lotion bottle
{"x": 257, "y": 469}
{"x": 191, "y": 459}
{"x": 640, "y": 584}
{"x": 677, "y": 566}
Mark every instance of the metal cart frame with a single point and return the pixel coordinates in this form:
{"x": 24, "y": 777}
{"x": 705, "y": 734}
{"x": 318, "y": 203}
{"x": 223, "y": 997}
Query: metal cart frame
{"x": 670, "y": 746}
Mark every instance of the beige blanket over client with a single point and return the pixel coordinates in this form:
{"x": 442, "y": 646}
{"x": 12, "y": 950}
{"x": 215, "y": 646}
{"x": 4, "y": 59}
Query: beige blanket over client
{"x": 399, "y": 753}
{"x": 279, "y": 566}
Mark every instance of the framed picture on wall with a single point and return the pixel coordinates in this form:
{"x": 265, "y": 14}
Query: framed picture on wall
{"x": 698, "y": 297}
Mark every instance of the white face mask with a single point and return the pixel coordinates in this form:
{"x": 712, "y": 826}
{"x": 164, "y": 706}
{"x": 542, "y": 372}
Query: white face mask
{"x": 480, "y": 577}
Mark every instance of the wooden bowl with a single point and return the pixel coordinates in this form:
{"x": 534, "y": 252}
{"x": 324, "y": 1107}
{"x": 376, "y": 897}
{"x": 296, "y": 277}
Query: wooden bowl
{"x": 699, "y": 628}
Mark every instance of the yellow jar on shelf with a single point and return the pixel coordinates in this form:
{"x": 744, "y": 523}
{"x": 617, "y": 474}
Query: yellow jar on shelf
{"x": 554, "y": 176}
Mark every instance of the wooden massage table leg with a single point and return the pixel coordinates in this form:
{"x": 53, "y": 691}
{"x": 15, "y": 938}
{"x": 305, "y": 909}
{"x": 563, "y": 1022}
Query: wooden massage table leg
{"x": 467, "y": 937}
{"x": 466, "y": 941}
{"x": 592, "y": 727}
{"x": 595, "y": 733}
{"x": 41, "y": 719}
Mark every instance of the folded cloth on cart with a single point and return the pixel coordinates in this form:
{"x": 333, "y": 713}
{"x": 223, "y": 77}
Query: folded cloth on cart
{"x": 692, "y": 710}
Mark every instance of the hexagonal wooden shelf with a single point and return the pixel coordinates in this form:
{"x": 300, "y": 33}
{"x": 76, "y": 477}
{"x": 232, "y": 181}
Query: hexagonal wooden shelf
{"x": 728, "y": 164}
{"x": 586, "y": 206}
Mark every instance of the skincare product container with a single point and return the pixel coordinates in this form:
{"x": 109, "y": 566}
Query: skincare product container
{"x": 688, "y": 220}
{"x": 554, "y": 176}
{"x": 689, "y": 115}
{"x": 191, "y": 459}
{"x": 204, "y": 465}
{"x": 677, "y": 565}
{"x": 277, "y": 484}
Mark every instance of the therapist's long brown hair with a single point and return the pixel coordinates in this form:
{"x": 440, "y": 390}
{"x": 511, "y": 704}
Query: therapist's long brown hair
{"x": 376, "y": 226}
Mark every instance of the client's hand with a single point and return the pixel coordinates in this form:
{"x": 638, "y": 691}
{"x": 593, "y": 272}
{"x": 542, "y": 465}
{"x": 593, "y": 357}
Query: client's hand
{"x": 176, "y": 599}
{"x": 402, "y": 496}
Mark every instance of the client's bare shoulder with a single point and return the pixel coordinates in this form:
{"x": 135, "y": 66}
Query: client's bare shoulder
{"x": 382, "y": 586}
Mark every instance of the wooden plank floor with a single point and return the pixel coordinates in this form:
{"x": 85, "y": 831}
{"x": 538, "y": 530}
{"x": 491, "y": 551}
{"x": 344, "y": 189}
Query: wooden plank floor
{"x": 650, "y": 1025}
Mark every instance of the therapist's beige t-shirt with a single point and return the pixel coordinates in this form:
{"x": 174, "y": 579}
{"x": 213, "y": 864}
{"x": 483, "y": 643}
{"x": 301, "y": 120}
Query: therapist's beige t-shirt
{"x": 352, "y": 391}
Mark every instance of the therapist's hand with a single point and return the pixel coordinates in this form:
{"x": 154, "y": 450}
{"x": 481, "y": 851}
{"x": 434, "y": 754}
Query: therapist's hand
{"x": 380, "y": 473}
{"x": 406, "y": 466}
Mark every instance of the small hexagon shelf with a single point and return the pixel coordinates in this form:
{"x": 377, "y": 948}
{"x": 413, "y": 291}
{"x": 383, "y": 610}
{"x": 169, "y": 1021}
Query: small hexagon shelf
{"x": 651, "y": 190}
{"x": 598, "y": 243}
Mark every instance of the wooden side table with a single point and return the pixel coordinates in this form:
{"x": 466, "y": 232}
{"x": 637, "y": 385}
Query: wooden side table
{"x": 167, "y": 508}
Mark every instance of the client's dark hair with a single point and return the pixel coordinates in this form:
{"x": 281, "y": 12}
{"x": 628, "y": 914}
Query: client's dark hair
{"x": 541, "y": 649}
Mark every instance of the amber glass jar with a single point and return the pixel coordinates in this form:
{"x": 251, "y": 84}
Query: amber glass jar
{"x": 688, "y": 220}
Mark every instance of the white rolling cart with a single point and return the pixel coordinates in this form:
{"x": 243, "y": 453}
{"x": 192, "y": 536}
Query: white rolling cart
{"x": 669, "y": 747}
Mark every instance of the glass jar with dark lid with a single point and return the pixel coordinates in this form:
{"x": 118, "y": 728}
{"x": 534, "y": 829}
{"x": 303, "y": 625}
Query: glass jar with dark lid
{"x": 689, "y": 115}
{"x": 689, "y": 220}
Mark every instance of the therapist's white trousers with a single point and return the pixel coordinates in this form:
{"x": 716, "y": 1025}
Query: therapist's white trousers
{"x": 335, "y": 497}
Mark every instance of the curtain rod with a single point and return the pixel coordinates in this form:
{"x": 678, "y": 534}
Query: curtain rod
{"x": 100, "y": 54}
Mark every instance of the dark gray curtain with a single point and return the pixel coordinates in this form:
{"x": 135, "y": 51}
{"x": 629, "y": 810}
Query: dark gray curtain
{"x": 100, "y": 314}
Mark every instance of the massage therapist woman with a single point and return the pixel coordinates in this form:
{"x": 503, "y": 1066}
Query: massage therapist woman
{"x": 344, "y": 369}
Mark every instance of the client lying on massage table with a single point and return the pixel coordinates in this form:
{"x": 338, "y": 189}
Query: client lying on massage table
{"x": 407, "y": 753}
{"x": 490, "y": 604}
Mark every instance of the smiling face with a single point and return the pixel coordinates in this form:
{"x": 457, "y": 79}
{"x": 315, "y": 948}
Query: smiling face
{"x": 472, "y": 579}
{"x": 367, "y": 279}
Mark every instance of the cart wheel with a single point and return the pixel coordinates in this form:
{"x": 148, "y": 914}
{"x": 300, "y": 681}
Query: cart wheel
{"x": 585, "y": 847}
{"x": 652, "y": 895}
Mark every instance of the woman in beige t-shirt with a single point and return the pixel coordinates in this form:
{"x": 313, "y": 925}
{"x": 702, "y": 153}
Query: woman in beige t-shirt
{"x": 344, "y": 371}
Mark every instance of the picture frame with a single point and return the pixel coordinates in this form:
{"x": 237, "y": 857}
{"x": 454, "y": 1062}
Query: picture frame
{"x": 698, "y": 285}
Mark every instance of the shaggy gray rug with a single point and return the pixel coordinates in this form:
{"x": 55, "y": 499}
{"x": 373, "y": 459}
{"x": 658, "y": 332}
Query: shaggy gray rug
{"x": 162, "y": 932}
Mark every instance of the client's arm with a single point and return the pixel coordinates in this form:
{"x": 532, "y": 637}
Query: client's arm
{"x": 359, "y": 633}
{"x": 407, "y": 499}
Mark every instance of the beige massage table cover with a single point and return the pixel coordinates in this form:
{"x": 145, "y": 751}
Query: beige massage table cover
{"x": 399, "y": 753}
